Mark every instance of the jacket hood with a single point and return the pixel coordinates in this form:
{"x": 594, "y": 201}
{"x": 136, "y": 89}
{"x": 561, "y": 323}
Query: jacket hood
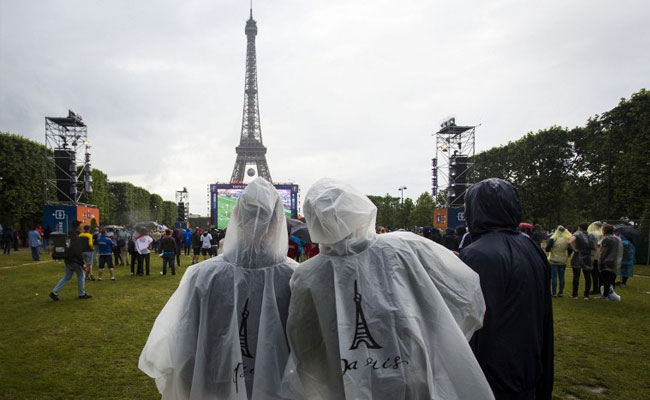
{"x": 492, "y": 205}
{"x": 339, "y": 217}
{"x": 257, "y": 232}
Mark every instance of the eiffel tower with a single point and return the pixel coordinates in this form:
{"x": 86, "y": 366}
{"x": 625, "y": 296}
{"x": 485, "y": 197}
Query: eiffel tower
{"x": 250, "y": 151}
{"x": 361, "y": 333}
{"x": 243, "y": 333}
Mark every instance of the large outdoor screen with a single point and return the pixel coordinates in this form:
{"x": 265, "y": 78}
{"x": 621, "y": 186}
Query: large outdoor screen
{"x": 223, "y": 197}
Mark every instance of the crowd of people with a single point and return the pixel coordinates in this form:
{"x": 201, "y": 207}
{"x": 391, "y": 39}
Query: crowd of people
{"x": 372, "y": 316}
{"x": 581, "y": 249}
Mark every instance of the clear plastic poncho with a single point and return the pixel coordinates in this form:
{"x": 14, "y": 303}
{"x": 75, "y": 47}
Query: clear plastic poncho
{"x": 221, "y": 334}
{"x": 380, "y": 316}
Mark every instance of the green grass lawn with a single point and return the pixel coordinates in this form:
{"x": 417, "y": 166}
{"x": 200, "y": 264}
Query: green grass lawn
{"x": 89, "y": 349}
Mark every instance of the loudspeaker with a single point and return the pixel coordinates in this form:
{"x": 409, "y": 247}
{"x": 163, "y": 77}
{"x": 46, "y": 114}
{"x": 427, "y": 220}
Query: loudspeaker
{"x": 66, "y": 174}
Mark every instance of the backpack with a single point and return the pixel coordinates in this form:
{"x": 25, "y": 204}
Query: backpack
{"x": 581, "y": 241}
{"x": 592, "y": 242}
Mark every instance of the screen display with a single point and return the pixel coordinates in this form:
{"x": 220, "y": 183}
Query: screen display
{"x": 223, "y": 198}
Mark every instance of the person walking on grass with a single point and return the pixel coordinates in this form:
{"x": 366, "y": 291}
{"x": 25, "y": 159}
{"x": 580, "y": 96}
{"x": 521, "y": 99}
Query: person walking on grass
{"x": 88, "y": 254}
{"x": 105, "y": 247}
{"x": 74, "y": 264}
{"x": 168, "y": 250}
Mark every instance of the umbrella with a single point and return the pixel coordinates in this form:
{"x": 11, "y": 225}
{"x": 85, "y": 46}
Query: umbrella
{"x": 145, "y": 226}
{"x": 113, "y": 227}
{"x": 298, "y": 229}
{"x": 629, "y": 232}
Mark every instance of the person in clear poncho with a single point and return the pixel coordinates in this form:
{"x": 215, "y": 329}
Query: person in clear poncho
{"x": 221, "y": 334}
{"x": 379, "y": 316}
{"x": 556, "y": 247}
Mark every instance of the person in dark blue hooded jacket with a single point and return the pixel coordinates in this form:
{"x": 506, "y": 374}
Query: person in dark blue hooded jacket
{"x": 515, "y": 345}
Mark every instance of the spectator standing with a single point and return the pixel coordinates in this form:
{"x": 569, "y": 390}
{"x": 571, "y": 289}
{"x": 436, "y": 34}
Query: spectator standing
{"x": 143, "y": 247}
{"x": 105, "y": 245}
{"x": 465, "y": 240}
{"x": 515, "y": 345}
{"x": 607, "y": 262}
{"x": 595, "y": 229}
{"x": 176, "y": 235}
{"x": 73, "y": 264}
{"x": 214, "y": 242}
{"x": 46, "y": 238}
{"x": 96, "y": 248}
{"x": 187, "y": 241}
{"x": 122, "y": 244}
{"x": 557, "y": 247}
{"x": 133, "y": 254}
{"x": 581, "y": 260}
{"x": 206, "y": 244}
{"x": 7, "y": 240}
{"x": 627, "y": 261}
{"x": 380, "y": 316}
{"x": 168, "y": 248}
{"x": 196, "y": 245}
{"x": 222, "y": 335}
{"x": 156, "y": 240}
{"x": 537, "y": 234}
{"x": 34, "y": 243}
{"x": 88, "y": 253}
{"x": 450, "y": 240}
{"x": 118, "y": 240}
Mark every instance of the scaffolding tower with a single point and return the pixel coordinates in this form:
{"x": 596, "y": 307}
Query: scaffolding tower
{"x": 69, "y": 174}
{"x": 453, "y": 164}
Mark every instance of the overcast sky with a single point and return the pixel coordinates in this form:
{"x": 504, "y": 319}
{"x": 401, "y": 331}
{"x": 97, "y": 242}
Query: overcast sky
{"x": 348, "y": 89}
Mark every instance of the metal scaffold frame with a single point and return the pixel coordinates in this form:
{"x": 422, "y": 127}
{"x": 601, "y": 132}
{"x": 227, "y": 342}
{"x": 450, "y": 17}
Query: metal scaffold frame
{"x": 453, "y": 166}
{"x": 66, "y": 138}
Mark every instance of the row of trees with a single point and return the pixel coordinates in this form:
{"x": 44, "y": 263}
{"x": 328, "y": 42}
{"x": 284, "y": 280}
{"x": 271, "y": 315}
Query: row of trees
{"x": 391, "y": 212}
{"x": 566, "y": 176}
{"x": 23, "y": 167}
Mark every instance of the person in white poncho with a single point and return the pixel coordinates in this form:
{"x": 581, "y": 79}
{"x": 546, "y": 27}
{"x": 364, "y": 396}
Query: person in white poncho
{"x": 221, "y": 335}
{"x": 380, "y": 316}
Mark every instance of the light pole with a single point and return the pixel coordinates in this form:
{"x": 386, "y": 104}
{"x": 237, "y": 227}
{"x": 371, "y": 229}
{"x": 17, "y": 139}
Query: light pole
{"x": 402, "y": 189}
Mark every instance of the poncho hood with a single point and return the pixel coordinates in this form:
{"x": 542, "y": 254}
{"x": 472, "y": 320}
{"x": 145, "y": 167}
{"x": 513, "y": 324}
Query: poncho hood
{"x": 257, "y": 231}
{"x": 492, "y": 205}
{"x": 339, "y": 217}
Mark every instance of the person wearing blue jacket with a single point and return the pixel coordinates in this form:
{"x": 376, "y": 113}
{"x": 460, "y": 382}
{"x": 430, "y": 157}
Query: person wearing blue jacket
{"x": 105, "y": 245}
{"x": 627, "y": 262}
{"x": 515, "y": 346}
{"x": 187, "y": 241}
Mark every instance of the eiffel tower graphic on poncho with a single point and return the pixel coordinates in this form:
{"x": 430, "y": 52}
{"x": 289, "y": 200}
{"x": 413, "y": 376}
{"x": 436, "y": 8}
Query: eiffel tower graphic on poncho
{"x": 243, "y": 333}
{"x": 361, "y": 332}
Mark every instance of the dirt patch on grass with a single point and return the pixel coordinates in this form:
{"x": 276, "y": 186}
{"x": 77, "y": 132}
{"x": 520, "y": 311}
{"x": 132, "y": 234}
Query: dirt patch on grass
{"x": 597, "y": 390}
